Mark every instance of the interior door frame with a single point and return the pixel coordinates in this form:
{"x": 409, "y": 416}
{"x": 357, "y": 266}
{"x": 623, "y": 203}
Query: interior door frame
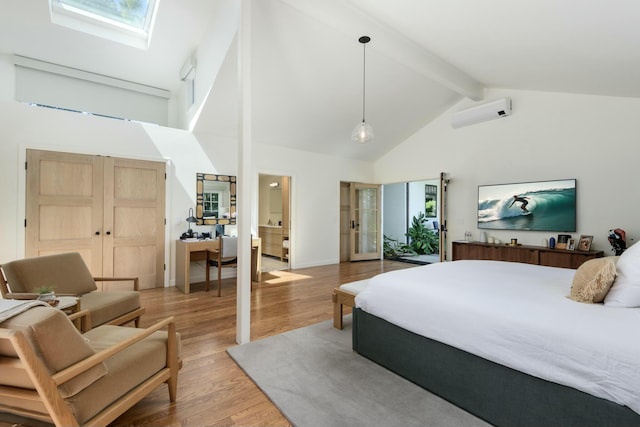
{"x": 292, "y": 212}
{"x": 441, "y": 206}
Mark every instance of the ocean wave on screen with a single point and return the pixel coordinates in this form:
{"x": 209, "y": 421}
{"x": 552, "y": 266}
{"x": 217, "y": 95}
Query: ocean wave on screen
{"x": 540, "y": 202}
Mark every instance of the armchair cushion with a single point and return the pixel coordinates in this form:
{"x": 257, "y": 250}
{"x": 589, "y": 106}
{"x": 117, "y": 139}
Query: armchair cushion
{"x": 127, "y": 369}
{"x": 67, "y": 273}
{"x": 106, "y": 306}
{"x": 56, "y": 344}
{"x": 132, "y": 363}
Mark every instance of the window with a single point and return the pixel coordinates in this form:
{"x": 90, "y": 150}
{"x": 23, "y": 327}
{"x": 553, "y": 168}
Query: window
{"x": 211, "y": 204}
{"x": 125, "y": 21}
{"x": 46, "y": 84}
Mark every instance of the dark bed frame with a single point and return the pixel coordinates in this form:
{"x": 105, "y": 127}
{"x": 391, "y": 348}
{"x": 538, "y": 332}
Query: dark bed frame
{"x": 499, "y": 395}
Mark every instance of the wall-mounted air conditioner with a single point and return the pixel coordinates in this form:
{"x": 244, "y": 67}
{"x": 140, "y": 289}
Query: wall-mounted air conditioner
{"x": 482, "y": 113}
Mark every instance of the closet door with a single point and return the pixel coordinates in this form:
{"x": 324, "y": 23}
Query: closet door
{"x": 134, "y": 203}
{"x": 64, "y": 205}
{"x": 111, "y": 210}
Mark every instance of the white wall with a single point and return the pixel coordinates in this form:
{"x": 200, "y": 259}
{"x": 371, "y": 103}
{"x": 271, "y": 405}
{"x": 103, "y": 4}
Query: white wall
{"x": 549, "y": 136}
{"x": 210, "y": 55}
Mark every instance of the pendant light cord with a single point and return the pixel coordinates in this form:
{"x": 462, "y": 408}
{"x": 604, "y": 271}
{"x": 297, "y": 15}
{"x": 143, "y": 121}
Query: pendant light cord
{"x": 364, "y": 40}
{"x": 362, "y": 133}
{"x": 364, "y": 78}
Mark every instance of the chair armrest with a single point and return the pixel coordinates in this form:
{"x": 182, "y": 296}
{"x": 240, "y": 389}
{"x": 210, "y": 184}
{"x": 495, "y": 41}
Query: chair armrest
{"x": 91, "y": 361}
{"x": 21, "y": 295}
{"x": 118, "y": 279}
{"x": 85, "y": 319}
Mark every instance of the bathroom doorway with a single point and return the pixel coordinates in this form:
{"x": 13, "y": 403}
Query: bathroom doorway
{"x": 274, "y": 221}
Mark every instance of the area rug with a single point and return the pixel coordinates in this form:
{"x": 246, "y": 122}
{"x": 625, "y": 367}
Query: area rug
{"x": 313, "y": 376}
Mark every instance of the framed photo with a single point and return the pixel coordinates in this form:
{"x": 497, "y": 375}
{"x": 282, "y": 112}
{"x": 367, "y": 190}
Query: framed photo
{"x": 584, "y": 244}
{"x": 571, "y": 244}
{"x": 430, "y": 201}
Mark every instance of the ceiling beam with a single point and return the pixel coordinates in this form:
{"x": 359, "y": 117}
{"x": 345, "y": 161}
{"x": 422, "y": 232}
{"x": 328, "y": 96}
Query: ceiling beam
{"x": 346, "y": 18}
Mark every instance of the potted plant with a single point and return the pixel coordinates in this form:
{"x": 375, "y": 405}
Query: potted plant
{"x": 393, "y": 249}
{"x": 46, "y": 294}
{"x": 422, "y": 241}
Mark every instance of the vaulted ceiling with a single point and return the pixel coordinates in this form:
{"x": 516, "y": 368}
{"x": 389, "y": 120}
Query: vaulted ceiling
{"x": 424, "y": 57}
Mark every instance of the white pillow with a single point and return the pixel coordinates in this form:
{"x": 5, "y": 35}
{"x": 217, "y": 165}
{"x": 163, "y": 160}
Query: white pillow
{"x": 625, "y": 291}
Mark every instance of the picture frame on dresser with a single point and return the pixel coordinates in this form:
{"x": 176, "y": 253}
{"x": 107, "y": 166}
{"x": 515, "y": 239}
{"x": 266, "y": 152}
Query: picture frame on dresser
{"x": 584, "y": 244}
{"x": 571, "y": 244}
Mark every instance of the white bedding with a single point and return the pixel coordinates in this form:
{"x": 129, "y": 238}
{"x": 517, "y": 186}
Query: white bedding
{"x": 516, "y": 315}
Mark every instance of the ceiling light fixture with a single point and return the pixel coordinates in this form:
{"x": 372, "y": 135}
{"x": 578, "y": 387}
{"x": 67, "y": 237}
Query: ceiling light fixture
{"x": 363, "y": 132}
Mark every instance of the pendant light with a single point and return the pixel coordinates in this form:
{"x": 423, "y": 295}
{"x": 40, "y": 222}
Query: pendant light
{"x": 363, "y": 132}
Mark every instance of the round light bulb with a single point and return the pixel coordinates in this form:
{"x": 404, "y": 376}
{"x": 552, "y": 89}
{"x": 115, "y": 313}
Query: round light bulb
{"x": 362, "y": 133}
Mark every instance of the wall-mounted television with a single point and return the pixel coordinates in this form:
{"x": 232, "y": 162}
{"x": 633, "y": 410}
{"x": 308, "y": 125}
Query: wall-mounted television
{"x": 535, "y": 206}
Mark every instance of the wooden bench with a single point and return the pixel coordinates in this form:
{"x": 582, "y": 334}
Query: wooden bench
{"x": 345, "y": 295}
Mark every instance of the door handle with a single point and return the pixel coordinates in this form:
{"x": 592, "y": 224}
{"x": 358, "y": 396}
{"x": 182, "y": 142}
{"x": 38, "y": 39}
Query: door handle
{"x": 97, "y": 233}
{"x": 108, "y": 233}
{"x": 353, "y": 224}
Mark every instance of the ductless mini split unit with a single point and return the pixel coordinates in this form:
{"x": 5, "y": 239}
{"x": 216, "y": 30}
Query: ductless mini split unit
{"x": 482, "y": 113}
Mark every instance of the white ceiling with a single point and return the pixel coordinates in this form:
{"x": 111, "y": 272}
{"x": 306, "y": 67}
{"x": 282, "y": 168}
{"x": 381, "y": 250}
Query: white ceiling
{"x": 425, "y": 55}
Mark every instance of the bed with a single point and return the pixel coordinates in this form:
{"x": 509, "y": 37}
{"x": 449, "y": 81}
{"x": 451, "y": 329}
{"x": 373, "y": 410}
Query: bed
{"x": 502, "y": 341}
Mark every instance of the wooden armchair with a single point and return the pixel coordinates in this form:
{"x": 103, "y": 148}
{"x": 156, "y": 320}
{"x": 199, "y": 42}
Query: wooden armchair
{"x": 68, "y": 275}
{"x": 52, "y": 373}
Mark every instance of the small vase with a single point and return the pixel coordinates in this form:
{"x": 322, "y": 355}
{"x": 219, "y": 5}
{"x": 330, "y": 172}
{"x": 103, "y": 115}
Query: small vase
{"x": 552, "y": 242}
{"x": 46, "y": 297}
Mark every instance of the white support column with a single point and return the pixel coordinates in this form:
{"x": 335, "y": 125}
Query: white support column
{"x": 243, "y": 309}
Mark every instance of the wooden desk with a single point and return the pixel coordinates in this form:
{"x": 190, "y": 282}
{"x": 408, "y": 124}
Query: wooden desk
{"x": 197, "y": 251}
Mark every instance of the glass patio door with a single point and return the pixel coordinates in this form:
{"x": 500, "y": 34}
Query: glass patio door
{"x": 365, "y": 222}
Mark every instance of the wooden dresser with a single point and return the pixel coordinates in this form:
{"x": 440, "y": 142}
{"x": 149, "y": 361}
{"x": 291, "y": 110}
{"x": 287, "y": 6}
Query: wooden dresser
{"x": 526, "y": 254}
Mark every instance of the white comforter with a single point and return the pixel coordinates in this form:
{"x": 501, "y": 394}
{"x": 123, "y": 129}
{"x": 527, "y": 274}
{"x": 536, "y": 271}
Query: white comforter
{"x": 518, "y": 316}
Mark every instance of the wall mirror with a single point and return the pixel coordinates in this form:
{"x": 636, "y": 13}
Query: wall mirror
{"x": 215, "y": 199}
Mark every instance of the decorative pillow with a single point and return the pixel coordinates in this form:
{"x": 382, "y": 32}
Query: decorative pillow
{"x": 593, "y": 279}
{"x": 625, "y": 291}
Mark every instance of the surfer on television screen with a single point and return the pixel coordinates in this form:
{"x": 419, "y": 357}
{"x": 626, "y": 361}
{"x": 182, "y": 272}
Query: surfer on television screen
{"x": 523, "y": 200}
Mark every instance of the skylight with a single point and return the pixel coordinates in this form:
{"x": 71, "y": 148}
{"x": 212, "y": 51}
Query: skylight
{"x": 124, "y": 21}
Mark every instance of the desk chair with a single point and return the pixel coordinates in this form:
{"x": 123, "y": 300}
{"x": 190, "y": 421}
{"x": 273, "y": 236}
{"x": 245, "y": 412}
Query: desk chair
{"x": 225, "y": 256}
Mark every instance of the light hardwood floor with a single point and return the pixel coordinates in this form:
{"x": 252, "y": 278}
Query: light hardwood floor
{"x": 212, "y": 389}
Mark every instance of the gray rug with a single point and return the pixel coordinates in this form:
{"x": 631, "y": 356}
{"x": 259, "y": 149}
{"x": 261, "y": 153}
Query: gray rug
{"x": 313, "y": 376}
